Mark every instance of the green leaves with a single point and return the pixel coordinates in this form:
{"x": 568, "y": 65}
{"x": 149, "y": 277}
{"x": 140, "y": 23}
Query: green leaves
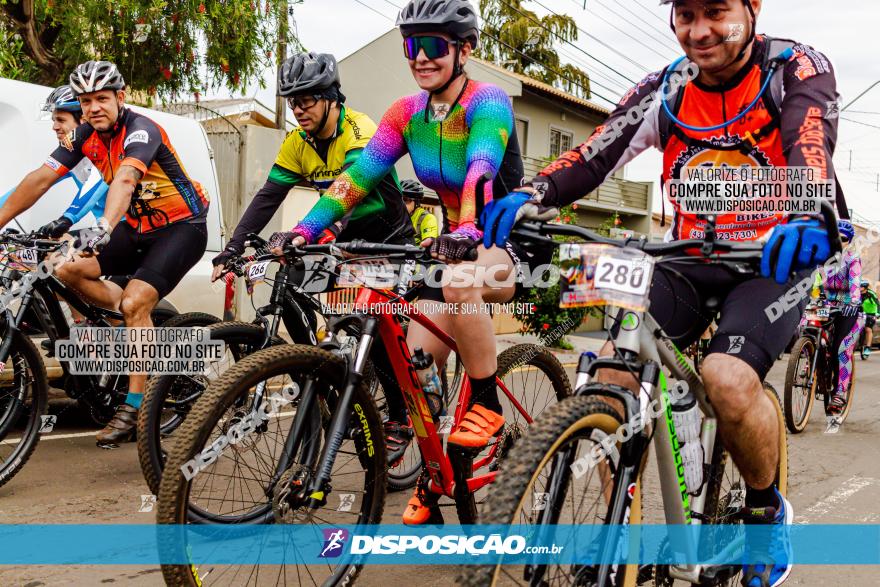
{"x": 517, "y": 39}
{"x": 162, "y": 47}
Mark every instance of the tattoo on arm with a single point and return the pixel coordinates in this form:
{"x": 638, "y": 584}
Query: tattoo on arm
{"x": 130, "y": 173}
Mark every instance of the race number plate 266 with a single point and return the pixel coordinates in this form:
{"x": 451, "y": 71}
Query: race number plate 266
{"x": 623, "y": 275}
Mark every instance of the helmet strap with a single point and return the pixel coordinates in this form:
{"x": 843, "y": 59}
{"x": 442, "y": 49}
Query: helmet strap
{"x": 324, "y": 118}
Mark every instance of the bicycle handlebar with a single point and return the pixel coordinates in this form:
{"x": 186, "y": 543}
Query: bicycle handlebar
{"x": 738, "y": 251}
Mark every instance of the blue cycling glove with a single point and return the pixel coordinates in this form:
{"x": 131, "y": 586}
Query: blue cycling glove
{"x": 800, "y": 244}
{"x": 499, "y": 216}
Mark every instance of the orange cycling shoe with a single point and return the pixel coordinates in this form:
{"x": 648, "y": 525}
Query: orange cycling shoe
{"x": 477, "y": 427}
{"x": 417, "y": 512}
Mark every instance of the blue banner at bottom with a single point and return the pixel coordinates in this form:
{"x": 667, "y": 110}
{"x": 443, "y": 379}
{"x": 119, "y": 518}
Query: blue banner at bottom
{"x": 399, "y": 544}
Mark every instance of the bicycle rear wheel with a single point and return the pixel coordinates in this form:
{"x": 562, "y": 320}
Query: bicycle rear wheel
{"x": 726, "y": 493}
{"x": 250, "y": 469}
{"x": 169, "y": 398}
{"x": 540, "y": 463}
{"x": 800, "y": 384}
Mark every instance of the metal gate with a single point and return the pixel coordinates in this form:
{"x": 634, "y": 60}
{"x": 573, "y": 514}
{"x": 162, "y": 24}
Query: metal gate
{"x": 226, "y": 142}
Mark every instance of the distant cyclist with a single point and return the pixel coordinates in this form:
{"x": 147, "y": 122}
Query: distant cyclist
{"x": 164, "y": 232}
{"x": 870, "y": 307}
{"x": 330, "y": 139}
{"x": 455, "y": 131}
{"x": 842, "y": 290}
{"x": 91, "y": 191}
{"x": 424, "y": 223}
{"x": 755, "y": 102}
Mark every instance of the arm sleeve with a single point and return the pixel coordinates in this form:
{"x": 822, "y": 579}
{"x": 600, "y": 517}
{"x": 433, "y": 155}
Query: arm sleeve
{"x": 855, "y": 278}
{"x": 490, "y": 120}
{"x": 631, "y": 128}
{"x": 88, "y": 200}
{"x": 429, "y": 226}
{"x": 809, "y": 116}
{"x": 141, "y": 144}
{"x": 377, "y": 159}
{"x": 261, "y": 209}
{"x": 65, "y": 157}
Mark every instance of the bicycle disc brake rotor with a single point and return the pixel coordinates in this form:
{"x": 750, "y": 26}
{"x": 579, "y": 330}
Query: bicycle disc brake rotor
{"x": 287, "y": 506}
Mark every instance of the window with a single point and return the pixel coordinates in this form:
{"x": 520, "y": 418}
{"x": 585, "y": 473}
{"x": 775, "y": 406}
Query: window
{"x": 522, "y": 133}
{"x": 560, "y": 142}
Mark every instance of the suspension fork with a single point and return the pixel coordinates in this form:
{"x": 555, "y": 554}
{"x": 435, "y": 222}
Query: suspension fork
{"x": 342, "y": 414}
{"x": 13, "y": 322}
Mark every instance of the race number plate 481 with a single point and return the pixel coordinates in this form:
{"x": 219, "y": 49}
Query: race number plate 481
{"x": 597, "y": 274}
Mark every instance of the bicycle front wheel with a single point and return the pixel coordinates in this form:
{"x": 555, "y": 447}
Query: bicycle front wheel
{"x": 800, "y": 384}
{"x": 541, "y": 463}
{"x": 251, "y": 480}
{"x": 24, "y": 391}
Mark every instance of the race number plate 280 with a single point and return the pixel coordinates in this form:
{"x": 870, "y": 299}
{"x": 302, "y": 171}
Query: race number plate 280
{"x": 597, "y": 274}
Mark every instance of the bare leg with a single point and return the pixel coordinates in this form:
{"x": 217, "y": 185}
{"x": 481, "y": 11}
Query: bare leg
{"x": 83, "y": 275}
{"x": 138, "y": 301}
{"x": 746, "y": 417}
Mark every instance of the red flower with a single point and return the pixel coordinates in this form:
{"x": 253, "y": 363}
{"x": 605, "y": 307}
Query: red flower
{"x": 235, "y": 79}
{"x": 166, "y": 73}
{"x": 225, "y": 67}
{"x": 566, "y": 219}
{"x": 545, "y": 326}
{"x": 617, "y": 221}
{"x": 574, "y": 206}
{"x": 202, "y": 8}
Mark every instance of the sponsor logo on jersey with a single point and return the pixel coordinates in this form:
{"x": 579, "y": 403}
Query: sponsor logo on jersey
{"x": 53, "y": 163}
{"x": 138, "y": 136}
{"x": 68, "y": 140}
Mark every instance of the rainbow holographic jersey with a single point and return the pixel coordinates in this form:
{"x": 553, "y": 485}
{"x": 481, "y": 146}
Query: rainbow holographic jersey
{"x": 448, "y": 156}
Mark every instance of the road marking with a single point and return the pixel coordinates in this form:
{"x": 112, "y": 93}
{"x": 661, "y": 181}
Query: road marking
{"x": 44, "y": 437}
{"x": 846, "y": 490}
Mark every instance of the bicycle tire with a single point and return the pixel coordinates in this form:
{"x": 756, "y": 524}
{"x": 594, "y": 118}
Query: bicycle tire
{"x": 150, "y": 426}
{"x": 797, "y": 423}
{"x": 567, "y": 420}
{"x": 38, "y": 384}
{"x": 191, "y": 320}
{"x": 174, "y": 491}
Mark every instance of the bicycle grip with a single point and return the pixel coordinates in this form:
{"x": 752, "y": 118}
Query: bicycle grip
{"x": 830, "y": 219}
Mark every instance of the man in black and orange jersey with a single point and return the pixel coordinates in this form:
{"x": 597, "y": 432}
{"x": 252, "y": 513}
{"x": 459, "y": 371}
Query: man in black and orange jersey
{"x": 164, "y": 232}
{"x": 747, "y": 100}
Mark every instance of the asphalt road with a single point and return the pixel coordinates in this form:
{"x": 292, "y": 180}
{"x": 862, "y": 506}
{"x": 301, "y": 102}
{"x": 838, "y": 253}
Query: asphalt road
{"x": 834, "y": 479}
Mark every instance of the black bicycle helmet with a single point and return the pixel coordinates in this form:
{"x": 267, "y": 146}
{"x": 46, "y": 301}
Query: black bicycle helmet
{"x": 457, "y": 18}
{"x": 307, "y": 73}
{"x": 93, "y": 76}
{"x": 412, "y": 189}
{"x": 62, "y": 98}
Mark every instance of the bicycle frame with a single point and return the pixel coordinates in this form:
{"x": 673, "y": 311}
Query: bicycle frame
{"x": 644, "y": 348}
{"x": 387, "y": 327}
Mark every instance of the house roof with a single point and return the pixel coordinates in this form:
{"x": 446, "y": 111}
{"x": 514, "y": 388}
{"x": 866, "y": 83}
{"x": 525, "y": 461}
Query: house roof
{"x": 546, "y": 89}
{"x": 230, "y": 108}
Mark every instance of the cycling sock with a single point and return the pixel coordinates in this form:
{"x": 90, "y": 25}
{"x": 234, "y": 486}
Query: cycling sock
{"x": 485, "y": 393}
{"x": 758, "y": 498}
{"x": 134, "y": 399}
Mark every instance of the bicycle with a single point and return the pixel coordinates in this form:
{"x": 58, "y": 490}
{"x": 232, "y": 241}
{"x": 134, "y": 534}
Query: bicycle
{"x": 541, "y": 489}
{"x": 169, "y": 398}
{"x": 812, "y": 369}
{"x": 333, "y": 442}
{"x": 33, "y": 306}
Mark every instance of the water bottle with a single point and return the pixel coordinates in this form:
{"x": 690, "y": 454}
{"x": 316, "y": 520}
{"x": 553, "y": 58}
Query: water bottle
{"x": 688, "y": 419}
{"x": 426, "y": 371}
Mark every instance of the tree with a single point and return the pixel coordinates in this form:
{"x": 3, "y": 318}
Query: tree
{"x": 162, "y": 47}
{"x": 520, "y": 41}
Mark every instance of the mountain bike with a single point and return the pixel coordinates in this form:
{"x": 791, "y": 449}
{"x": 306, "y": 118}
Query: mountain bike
{"x": 812, "y": 368}
{"x": 34, "y": 307}
{"x": 293, "y": 303}
{"x": 325, "y": 443}
{"x": 541, "y": 487}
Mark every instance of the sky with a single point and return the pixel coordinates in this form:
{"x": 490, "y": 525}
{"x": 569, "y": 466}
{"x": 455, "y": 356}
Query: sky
{"x": 633, "y": 38}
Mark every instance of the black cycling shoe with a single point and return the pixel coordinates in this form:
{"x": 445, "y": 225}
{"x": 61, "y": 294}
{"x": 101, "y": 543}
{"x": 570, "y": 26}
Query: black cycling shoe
{"x": 397, "y": 438}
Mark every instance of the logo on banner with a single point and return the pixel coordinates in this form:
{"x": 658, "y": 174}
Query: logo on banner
{"x": 334, "y": 540}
